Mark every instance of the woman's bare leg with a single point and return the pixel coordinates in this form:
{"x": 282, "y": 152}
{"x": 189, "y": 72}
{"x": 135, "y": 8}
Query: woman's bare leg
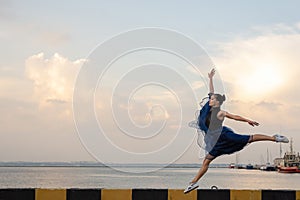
{"x": 260, "y": 137}
{"x": 202, "y": 170}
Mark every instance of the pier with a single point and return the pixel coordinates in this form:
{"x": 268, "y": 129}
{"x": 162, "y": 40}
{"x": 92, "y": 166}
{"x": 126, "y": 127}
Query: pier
{"x": 146, "y": 194}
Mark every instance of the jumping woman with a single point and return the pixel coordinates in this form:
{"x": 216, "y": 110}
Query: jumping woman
{"x": 219, "y": 139}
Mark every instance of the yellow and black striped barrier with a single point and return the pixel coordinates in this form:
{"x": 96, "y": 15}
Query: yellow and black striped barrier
{"x": 146, "y": 194}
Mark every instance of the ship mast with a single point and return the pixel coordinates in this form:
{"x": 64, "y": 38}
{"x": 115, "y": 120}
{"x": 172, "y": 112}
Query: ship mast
{"x": 268, "y": 156}
{"x": 291, "y": 146}
{"x": 280, "y": 151}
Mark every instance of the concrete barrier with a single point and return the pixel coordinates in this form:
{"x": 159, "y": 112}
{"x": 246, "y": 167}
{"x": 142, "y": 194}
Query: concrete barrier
{"x": 146, "y": 194}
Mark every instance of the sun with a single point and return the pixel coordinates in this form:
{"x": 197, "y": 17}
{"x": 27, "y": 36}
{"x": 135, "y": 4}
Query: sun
{"x": 262, "y": 80}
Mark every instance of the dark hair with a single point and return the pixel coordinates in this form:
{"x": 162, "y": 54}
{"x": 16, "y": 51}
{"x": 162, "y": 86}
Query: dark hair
{"x": 220, "y": 98}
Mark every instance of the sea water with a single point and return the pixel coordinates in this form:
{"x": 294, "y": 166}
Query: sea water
{"x": 172, "y": 178}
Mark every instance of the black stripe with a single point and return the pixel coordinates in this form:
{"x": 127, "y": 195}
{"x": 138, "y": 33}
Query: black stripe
{"x": 278, "y": 195}
{"x": 149, "y": 194}
{"x": 204, "y": 194}
{"x": 16, "y": 194}
{"x": 83, "y": 194}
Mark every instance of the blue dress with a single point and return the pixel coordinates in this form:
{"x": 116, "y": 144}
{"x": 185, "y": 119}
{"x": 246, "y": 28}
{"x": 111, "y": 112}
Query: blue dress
{"x": 219, "y": 139}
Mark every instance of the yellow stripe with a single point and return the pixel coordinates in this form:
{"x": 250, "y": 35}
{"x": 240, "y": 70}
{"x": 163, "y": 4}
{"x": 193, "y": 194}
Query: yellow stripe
{"x": 47, "y": 194}
{"x": 298, "y": 195}
{"x": 112, "y": 194}
{"x": 179, "y": 195}
{"x": 245, "y": 195}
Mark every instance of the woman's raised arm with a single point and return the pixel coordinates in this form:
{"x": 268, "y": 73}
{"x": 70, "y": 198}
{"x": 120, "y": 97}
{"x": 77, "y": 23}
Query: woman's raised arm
{"x": 211, "y": 84}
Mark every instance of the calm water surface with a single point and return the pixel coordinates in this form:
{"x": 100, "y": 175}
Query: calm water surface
{"x": 176, "y": 178}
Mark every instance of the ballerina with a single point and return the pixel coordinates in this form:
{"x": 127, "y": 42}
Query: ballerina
{"x": 219, "y": 139}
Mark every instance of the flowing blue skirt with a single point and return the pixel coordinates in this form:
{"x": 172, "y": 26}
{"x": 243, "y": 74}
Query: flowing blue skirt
{"x": 228, "y": 142}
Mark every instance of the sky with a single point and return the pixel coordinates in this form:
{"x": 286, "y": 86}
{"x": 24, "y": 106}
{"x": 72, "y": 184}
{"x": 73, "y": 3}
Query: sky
{"x": 57, "y": 106}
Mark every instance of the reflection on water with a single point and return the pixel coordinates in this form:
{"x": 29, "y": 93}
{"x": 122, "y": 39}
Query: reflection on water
{"x": 177, "y": 178}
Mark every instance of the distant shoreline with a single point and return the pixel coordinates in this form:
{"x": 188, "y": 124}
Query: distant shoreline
{"x": 94, "y": 164}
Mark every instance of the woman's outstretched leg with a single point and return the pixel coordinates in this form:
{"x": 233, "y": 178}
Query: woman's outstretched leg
{"x": 274, "y": 138}
{"x": 202, "y": 170}
{"x": 193, "y": 185}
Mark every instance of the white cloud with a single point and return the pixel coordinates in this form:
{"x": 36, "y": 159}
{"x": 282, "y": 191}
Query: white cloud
{"x": 47, "y": 87}
{"x": 53, "y": 78}
{"x": 38, "y": 116}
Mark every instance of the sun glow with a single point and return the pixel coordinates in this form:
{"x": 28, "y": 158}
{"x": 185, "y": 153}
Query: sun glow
{"x": 265, "y": 78}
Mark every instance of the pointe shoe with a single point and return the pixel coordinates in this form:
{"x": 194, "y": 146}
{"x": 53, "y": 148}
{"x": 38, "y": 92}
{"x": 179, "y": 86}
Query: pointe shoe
{"x": 281, "y": 138}
{"x": 191, "y": 187}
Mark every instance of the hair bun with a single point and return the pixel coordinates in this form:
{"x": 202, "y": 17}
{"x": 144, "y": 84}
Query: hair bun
{"x": 224, "y": 98}
{"x": 220, "y": 98}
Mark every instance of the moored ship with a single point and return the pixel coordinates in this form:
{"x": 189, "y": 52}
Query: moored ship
{"x": 290, "y": 163}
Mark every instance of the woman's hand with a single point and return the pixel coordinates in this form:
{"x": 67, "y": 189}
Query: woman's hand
{"x": 211, "y": 73}
{"x": 253, "y": 123}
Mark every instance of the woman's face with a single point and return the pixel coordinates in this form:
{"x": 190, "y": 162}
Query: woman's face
{"x": 213, "y": 101}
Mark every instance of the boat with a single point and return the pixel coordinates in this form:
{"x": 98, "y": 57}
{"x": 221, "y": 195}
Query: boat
{"x": 249, "y": 166}
{"x": 268, "y": 166}
{"x": 290, "y": 163}
{"x": 236, "y": 165}
{"x": 289, "y": 169}
{"x": 232, "y": 166}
